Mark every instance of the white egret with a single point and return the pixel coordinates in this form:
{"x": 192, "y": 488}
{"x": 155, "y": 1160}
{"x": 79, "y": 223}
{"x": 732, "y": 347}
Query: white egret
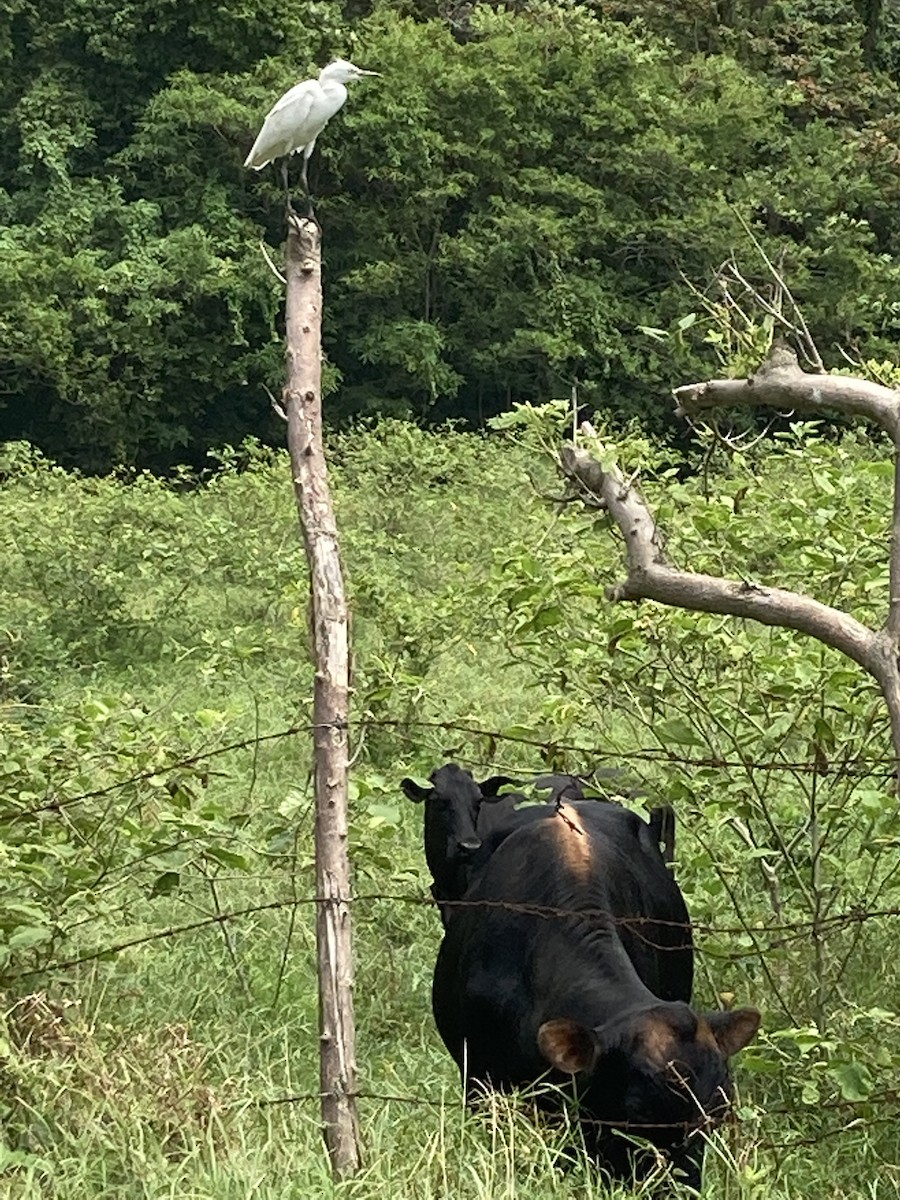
{"x": 296, "y": 120}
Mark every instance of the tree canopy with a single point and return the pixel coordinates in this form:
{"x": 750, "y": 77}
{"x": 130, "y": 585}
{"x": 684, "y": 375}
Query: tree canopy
{"x": 523, "y": 193}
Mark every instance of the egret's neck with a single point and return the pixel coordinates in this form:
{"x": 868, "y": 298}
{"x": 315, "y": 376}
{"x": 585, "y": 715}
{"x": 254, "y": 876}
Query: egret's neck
{"x": 334, "y": 91}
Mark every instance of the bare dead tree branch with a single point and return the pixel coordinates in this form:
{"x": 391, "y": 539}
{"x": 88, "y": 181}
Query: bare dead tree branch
{"x": 329, "y": 623}
{"x": 801, "y": 329}
{"x": 270, "y": 264}
{"x": 276, "y": 404}
{"x": 651, "y": 577}
{"x": 778, "y": 383}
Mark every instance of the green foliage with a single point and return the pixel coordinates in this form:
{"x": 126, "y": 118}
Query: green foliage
{"x": 553, "y": 182}
{"x": 97, "y": 801}
{"x": 122, "y": 589}
{"x": 504, "y": 211}
{"x": 770, "y": 747}
{"x": 412, "y": 599}
{"x": 138, "y": 315}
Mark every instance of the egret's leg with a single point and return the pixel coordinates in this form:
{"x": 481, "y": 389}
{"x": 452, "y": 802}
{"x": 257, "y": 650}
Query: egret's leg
{"x": 306, "y": 155}
{"x": 284, "y": 177}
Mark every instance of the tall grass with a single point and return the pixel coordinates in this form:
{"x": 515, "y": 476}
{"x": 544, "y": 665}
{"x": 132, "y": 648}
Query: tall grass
{"x": 175, "y": 617}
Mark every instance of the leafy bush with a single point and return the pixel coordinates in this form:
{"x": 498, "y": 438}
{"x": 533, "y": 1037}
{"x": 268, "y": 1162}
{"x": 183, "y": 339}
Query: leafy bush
{"x": 773, "y": 749}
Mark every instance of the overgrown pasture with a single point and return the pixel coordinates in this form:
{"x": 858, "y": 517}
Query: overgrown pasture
{"x": 156, "y": 929}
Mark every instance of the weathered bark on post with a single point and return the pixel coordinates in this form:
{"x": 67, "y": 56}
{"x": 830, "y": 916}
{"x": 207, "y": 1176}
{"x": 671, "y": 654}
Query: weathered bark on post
{"x": 302, "y": 399}
{"x": 778, "y": 383}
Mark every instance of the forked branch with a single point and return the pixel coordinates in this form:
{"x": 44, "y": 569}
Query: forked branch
{"x": 651, "y": 577}
{"x": 779, "y": 383}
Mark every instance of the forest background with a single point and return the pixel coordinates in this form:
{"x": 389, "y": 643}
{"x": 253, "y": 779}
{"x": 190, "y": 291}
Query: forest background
{"x": 527, "y": 190}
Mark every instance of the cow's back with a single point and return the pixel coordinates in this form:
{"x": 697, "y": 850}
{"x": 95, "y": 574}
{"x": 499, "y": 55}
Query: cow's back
{"x": 645, "y": 901}
{"x": 588, "y": 854}
{"x": 560, "y": 900}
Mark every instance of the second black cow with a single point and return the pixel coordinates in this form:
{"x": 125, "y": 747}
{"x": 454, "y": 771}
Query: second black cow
{"x": 572, "y": 961}
{"x": 458, "y": 813}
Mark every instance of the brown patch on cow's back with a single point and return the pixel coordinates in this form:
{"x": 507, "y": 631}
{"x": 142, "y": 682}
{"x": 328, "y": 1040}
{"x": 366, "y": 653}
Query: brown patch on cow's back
{"x": 574, "y": 841}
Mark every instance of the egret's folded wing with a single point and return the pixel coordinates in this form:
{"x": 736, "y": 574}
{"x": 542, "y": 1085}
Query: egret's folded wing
{"x": 287, "y": 126}
{"x": 300, "y": 97}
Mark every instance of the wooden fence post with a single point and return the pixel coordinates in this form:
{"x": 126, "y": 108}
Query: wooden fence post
{"x": 330, "y": 646}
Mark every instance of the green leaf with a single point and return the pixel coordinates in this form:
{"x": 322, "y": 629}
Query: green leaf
{"x": 228, "y": 858}
{"x": 384, "y": 814}
{"x": 166, "y": 883}
{"x": 209, "y": 718}
{"x": 520, "y": 732}
{"x": 545, "y": 618}
{"x": 853, "y": 1079}
{"x": 760, "y": 1064}
{"x": 678, "y": 731}
{"x": 810, "y": 1093}
{"x": 23, "y": 937}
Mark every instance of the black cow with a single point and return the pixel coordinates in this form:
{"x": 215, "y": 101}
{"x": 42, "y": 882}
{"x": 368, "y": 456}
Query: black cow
{"x": 455, "y": 823}
{"x": 572, "y": 959}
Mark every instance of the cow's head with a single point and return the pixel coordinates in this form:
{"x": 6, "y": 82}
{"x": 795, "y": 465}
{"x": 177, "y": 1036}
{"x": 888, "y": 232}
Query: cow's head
{"x": 660, "y": 1072}
{"x": 451, "y": 814}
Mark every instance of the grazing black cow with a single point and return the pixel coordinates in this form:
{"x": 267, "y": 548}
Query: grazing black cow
{"x": 572, "y": 959}
{"x": 455, "y": 823}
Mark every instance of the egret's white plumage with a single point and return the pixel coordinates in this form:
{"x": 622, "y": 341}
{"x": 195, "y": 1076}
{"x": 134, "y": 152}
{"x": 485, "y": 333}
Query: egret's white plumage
{"x": 296, "y": 120}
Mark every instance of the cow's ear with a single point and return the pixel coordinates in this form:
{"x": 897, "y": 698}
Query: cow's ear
{"x": 733, "y": 1030}
{"x": 492, "y": 786}
{"x": 568, "y": 1046}
{"x": 414, "y": 791}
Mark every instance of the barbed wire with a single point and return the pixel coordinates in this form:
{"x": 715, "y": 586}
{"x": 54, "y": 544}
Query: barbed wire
{"x": 860, "y": 766}
{"x": 638, "y": 925}
{"x": 767, "y": 936}
{"x": 661, "y": 754}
